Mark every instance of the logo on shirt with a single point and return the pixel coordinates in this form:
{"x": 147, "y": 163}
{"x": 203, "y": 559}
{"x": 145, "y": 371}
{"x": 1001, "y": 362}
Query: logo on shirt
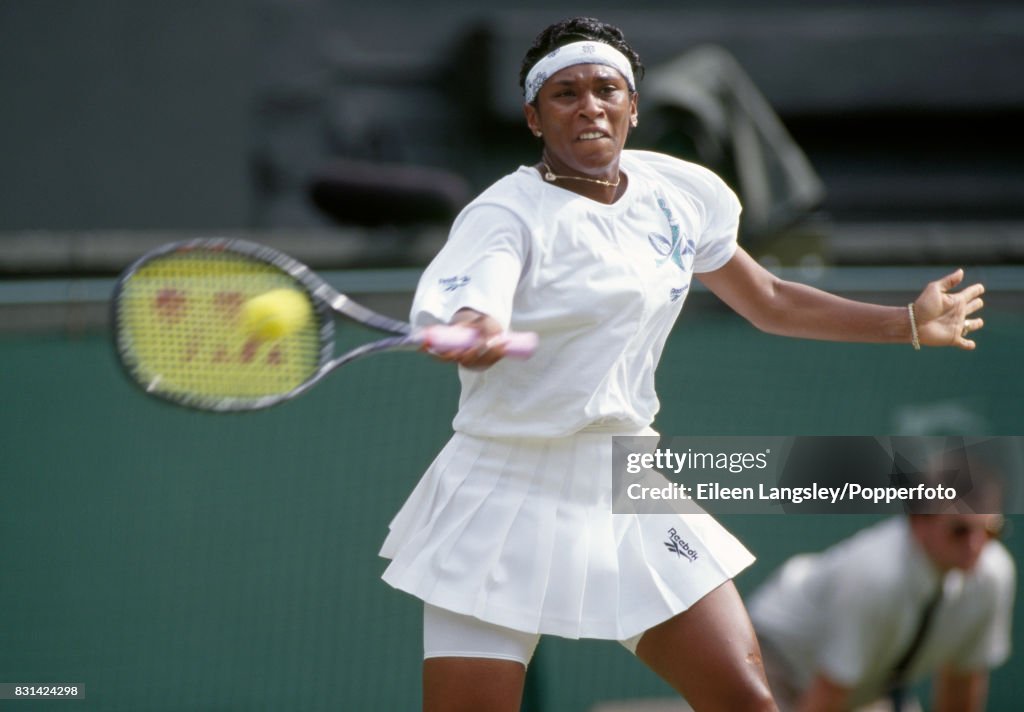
{"x": 450, "y": 284}
{"x": 675, "y": 293}
{"x": 677, "y": 249}
{"x": 679, "y": 546}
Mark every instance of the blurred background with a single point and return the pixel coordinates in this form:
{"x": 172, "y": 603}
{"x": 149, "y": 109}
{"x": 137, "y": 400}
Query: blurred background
{"x": 172, "y": 561}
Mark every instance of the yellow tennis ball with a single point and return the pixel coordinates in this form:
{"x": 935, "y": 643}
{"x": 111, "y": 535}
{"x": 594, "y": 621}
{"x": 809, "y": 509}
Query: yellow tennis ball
{"x": 276, "y": 314}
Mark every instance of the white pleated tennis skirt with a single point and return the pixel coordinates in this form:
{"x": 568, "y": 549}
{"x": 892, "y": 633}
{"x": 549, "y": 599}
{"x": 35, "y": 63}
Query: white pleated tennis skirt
{"x": 521, "y": 533}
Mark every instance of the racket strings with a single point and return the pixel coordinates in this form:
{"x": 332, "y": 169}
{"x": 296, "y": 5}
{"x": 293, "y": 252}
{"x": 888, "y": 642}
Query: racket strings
{"x": 181, "y": 329}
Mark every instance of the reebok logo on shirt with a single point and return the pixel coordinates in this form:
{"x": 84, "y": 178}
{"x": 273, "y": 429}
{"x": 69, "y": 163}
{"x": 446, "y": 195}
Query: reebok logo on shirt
{"x": 450, "y": 284}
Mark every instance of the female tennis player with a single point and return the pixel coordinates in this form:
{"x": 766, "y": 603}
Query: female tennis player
{"x": 510, "y": 533}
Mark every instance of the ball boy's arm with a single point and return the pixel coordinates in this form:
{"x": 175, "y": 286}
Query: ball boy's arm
{"x": 960, "y": 691}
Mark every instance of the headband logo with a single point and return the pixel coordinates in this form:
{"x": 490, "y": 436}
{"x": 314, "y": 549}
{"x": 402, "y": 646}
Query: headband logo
{"x": 536, "y": 83}
{"x": 576, "y": 53}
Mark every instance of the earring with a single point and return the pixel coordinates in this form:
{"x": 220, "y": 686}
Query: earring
{"x": 635, "y": 121}
{"x": 538, "y": 134}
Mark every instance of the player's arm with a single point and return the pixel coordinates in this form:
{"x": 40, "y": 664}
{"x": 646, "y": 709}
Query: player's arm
{"x": 823, "y": 695}
{"x": 789, "y": 308}
{"x": 960, "y": 691}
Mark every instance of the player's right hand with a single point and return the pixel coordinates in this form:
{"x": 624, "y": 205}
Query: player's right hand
{"x": 489, "y": 346}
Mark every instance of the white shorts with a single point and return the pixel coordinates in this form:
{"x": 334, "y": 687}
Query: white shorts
{"x": 452, "y": 635}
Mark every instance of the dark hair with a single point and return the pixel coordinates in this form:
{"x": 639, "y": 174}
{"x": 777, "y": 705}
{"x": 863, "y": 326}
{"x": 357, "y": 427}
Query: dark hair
{"x": 974, "y": 471}
{"x": 578, "y": 29}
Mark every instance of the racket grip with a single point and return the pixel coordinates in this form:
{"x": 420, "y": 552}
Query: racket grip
{"x": 518, "y": 344}
{"x": 448, "y": 338}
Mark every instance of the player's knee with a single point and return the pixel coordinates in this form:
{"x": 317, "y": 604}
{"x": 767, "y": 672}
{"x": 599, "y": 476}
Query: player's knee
{"x": 754, "y": 696}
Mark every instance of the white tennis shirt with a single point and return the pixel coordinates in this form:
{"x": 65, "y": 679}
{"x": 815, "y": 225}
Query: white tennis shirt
{"x": 850, "y": 611}
{"x": 601, "y": 284}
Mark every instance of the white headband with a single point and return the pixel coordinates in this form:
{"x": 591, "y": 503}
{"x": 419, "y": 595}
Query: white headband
{"x": 590, "y": 52}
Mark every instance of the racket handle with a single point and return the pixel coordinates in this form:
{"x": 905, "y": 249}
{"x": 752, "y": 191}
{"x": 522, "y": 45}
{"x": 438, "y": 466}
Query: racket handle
{"x": 518, "y": 344}
{"x": 448, "y": 338}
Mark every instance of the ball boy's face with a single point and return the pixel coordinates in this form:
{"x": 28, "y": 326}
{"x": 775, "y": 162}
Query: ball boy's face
{"x": 955, "y": 541}
{"x": 584, "y": 113}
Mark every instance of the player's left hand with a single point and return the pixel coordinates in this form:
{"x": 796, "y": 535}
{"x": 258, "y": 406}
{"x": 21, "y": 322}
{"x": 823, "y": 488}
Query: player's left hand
{"x": 944, "y": 317}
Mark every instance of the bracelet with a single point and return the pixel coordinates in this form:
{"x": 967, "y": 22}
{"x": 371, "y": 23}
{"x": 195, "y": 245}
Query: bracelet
{"x": 913, "y": 328}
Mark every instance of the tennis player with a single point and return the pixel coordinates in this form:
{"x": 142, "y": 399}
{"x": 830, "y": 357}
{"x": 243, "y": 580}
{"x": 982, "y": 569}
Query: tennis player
{"x": 510, "y": 533}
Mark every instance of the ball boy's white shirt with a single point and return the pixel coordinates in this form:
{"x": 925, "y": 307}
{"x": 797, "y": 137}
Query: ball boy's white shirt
{"x": 851, "y": 610}
{"x": 601, "y": 284}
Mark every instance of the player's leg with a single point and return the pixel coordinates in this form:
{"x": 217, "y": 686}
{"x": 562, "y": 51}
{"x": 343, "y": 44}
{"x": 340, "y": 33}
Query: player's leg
{"x": 470, "y": 665}
{"x": 472, "y": 685}
{"x": 709, "y": 654}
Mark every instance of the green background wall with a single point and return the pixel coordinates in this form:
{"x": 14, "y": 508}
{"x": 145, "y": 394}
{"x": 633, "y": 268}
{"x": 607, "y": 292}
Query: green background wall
{"x": 169, "y": 560}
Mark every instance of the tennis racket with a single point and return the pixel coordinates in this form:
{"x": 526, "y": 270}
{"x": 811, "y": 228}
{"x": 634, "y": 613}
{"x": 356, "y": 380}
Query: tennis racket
{"x": 182, "y": 317}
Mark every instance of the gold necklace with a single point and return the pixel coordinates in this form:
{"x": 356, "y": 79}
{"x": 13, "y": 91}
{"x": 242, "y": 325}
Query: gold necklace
{"x": 551, "y": 178}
